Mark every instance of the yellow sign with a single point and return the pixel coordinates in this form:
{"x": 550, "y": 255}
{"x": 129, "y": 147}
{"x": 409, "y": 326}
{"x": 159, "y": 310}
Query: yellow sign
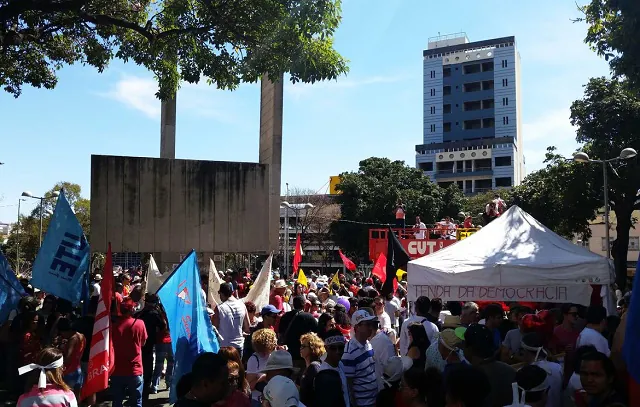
{"x": 465, "y": 233}
{"x": 333, "y": 182}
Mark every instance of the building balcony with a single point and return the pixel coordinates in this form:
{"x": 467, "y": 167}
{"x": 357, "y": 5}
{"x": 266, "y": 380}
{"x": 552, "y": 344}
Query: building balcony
{"x": 478, "y": 172}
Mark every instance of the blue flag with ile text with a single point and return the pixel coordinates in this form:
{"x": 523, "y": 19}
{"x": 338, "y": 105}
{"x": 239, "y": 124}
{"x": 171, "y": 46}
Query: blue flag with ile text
{"x": 63, "y": 260}
{"x": 10, "y": 289}
{"x": 189, "y": 323}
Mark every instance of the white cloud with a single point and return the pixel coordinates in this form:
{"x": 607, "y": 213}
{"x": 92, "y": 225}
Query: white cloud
{"x": 202, "y": 100}
{"x": 136, "y": 93}
{"x": 550, "y": 129}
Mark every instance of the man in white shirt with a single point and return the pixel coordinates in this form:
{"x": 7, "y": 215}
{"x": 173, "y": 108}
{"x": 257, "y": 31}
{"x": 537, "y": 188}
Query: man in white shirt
{"x": 421, "y": 229}
{"x": 592, "y": 333}
{"x": 230, "y": 318}
{"x": 383, "y": 349}
{"x": 422, "y": 307}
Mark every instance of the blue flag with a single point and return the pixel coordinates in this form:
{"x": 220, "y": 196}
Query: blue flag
{"x": 63, "y": 259}
{"x": 10, "y": 290}
{"x": 630, "y": 349}
{"x": 189, "y": 323}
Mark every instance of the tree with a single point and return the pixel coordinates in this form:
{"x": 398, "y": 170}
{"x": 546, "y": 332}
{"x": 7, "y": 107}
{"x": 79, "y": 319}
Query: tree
{"x": 607, "y": 120}
{"x": 314, "y": 223}
{"x": 368, "y": 197}
{"x": 452, "y": 202}
{"x": 563, "y": 196}
{"x": 25, "y": 237}
{"x": 227, "y": 42}
{"x": 614, "y": 33}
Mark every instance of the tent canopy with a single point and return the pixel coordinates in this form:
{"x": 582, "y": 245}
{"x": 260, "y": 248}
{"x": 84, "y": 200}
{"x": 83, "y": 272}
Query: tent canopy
{"x": 514, "y": 251}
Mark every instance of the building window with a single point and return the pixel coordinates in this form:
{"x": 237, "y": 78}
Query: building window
{"x": 426, "y": 166}
{"x": 488, "y": 123}
{"x": 505, "y": 82}
{"x": 504, "y": 63}
{"x": 433, "y": 92}
{"x": 505, "y": 101}
{"x": 446, "y": 90}
{"x": 446, "y": 127}
{"x": 488, "y": 104}
{"x": 505, "y": 120}
{"x": 584, "y": 243}
{"x": 502, "y": 161}
{"x": 469, "y": 106}
{"x": 634, "y": 242}
{"x": 503, "y": 182}
{"x": 604, "y": 243}
{"x": 446, "y": 108}
{"x": 473, "y": 87}
{"x": 446, "y": 72}
{"x": 433, "y": 128}
{"x": 473, "y": 68}
{"x": 472, "y": 124}
{"x": 433, "y": 74}
{"x": 433, "y": 110}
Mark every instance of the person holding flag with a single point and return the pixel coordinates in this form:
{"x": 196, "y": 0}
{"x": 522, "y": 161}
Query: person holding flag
{"x": 191, "y": 329}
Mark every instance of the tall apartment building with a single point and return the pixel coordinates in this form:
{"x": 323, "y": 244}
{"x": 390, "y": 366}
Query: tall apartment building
{"x": 472, "y": 132}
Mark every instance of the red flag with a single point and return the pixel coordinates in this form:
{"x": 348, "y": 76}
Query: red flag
{"x": 348, "y": 264}
{"x": 380, "y": 268}
{"x": 101, "y": 351}
{"x": 297, "y": 256}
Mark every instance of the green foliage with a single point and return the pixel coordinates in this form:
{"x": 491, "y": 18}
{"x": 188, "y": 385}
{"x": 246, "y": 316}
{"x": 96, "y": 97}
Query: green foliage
{"x": 227, "y": 42}
{"x": 24, "y": 239}
{"x": 370, "y": 195}
{"x": 608, "y": 120}
{"x": 614, "y": 33}
{"x": 475, "y": 205}
{"x": 453, "y": 201}
{"x": 563, "y": 196}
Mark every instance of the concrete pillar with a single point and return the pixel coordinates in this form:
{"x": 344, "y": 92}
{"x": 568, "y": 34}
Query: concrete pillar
{"x": 168, "y": 128}
{"x": 271, "y": 103}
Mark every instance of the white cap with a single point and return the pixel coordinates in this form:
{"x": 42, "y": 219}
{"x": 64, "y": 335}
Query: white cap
{"x": 281, "y": 392}
{"x": 280, "y": 284}
{"x": 362, "y": 316}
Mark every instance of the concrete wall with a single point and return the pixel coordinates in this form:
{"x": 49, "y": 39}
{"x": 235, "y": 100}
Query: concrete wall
{"x": 161, "y": 205}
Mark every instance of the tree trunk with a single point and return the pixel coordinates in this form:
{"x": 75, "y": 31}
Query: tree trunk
{"x": 623, "y": 213}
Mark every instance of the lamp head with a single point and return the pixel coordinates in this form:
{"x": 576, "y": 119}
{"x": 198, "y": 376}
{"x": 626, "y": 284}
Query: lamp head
{"x": 581, "y": 157}
{"x": 27, "y": 194}
{"x": 286, "y": 204}
{"x": 55, "y": 193}
{"x": 309, "y": 205}
{"x": 628, "y": 153}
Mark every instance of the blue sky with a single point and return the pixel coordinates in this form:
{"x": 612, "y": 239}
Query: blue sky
{"x": 376, "y": 110}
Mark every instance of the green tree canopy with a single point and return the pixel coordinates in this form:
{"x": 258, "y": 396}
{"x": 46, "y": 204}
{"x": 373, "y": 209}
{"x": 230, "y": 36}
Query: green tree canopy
{"x": 475, "y": 205}
{"x": 608, "y": 120}
{"x": 228, "y": 42}
{"x": 368, "y": 197}
{"x": 563, "y": 196}
{"x": 614, "y": 33}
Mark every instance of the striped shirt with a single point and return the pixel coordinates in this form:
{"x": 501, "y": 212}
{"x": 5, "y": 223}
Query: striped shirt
{"x": 51, "y": 396}
{"x": 360, "y": 366}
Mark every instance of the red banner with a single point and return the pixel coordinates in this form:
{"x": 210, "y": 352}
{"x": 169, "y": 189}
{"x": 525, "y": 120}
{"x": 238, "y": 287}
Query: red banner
{"x": 348, "y": 264}
{"x": 101, "y": 351}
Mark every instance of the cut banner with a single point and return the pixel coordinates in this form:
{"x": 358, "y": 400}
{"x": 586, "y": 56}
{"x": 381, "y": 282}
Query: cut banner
{"x": 189, "y": 323}
{"x": 62, "y": 262}
{"x": 259, "y": 292}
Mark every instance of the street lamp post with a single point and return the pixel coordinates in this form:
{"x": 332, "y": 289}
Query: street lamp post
{"x": 295, "y": 208}
{"x": 30, "y": 195}
{"x": 625, "y": 154}
{"x": 18, "y": 238}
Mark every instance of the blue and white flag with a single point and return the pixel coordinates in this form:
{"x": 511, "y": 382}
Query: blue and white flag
{"x": 10, "y": 290}
{"x": 63, "y": 260}
{"x": 189, "y": 323}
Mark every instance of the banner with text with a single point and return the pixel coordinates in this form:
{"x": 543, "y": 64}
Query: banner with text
{"x": 563, "y": 293}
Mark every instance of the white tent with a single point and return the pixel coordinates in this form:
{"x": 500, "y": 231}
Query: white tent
{"x": 514, "y": 258}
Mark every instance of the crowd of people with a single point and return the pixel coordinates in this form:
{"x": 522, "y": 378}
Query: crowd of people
{"x": 327, "y": 343}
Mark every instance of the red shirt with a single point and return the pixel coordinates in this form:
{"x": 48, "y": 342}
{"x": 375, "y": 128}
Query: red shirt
{"x": 129, "y": 335}
{"x": 276, "y": 301}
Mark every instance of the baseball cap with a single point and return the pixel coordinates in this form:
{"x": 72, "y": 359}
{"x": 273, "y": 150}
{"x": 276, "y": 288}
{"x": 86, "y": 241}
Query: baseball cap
{"x": 395, "y": 367}
{"x": 362, "y": 316}
{"x": 97, "y": 277}
{"x": 269, "y": 309}
{"x": 281, "y": 392}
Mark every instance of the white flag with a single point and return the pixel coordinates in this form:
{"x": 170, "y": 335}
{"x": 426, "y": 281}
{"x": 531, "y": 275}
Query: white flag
{"x": 259, "y": 292}
{"x": 154, "y": 278}
{"x": 214, "y": 284}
